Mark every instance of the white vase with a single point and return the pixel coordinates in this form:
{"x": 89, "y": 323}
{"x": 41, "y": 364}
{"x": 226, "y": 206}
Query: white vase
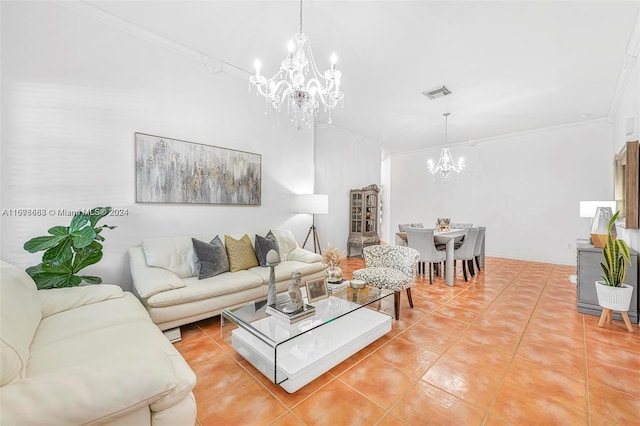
{"x": 614, "y": 298}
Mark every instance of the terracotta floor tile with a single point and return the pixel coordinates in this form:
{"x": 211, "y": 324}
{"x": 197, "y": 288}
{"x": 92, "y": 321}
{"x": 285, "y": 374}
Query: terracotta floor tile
{"x": 191, "y": 332}
{"x": 338, "y": 404}
{"x": 615, "y": 334}
{"x": 599, "y": 421}
{"x": 521, "y": 407}
{"x": 556, "y": 340}
{"x": 513, "y": 304}
{"x": 571, "y": 323}
{"x": 611, "y": 375}
{"x": 457, "y": 313}
{"x": 493, "y": 339}
{"x": 211, "y": 326}
{"x": 465, "y": 381}
{"x": 612, "y": 405}
{"x": 470, "y": 304}
{"x": 572, "y": 363}
{"x": 409, "y": 316}
{"x": 501, "y": 323}
{"x": 292, "y": 399}
{"x": 524, "y": 292}
{"x": 406, "y": 356}
{"x": 508, "y": 312}
{"x": 480, "y": 296}
{"x": 494, "y": 420}
{"x": 200, "y": 350}
{"x": 479, "y": 355}
{"x": 428, "y": 338}
{"x": 427, "y": 404}
{"x": 439, "y": 297}
{"x": 425, "y": 304}
{"x": 444, "y": 324}
{"x": 566, "y": 389}
{"x": 287, "y": 419}
{"x": 246, "y": 404}
{"x": 606, "y": 354}
{"x": 210, "y": 380}
{"x": 391, "y": 420}
{"x": 525, "y": 307}
{"x": 384, "y": 387}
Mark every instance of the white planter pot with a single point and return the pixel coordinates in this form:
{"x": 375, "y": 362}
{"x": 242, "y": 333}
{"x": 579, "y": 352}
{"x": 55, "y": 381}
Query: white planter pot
{"x": 614, "y": 298}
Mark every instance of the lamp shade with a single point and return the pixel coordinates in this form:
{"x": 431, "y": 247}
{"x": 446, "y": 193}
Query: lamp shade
{"x": 588, "y": 208}
{"x": 313, "y": 203}
{"x": 599, "y": 226}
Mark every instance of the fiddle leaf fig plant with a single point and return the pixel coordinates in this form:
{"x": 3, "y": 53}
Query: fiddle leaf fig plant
{"x": 69, "y": 249}
{"x": 616, "y": 256}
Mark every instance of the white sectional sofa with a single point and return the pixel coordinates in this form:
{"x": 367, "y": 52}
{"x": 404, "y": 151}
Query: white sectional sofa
{"x": 165, "y": 278}
{"x": 86, "y": 355}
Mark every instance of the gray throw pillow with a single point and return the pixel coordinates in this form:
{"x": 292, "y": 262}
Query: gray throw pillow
{"x": 263, "y": 245}
{"x": 212, "y": 257}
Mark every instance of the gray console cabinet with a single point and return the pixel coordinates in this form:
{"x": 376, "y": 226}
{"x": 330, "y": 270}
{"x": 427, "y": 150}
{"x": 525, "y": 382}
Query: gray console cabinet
{"x": 590, "y": 271}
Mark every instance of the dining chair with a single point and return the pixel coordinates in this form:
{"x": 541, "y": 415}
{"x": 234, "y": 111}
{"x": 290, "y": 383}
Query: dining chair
{"x": 402, "y": 227}
{"x": 466, "y": 252}
{"x": 422, "y": 240}
{"x": 390, "y": 267}
{"x": 477, "y": 250}
{"x": 461, "y": 225}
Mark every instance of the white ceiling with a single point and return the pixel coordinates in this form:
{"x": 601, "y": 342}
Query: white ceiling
{"x": 512, "y": 66}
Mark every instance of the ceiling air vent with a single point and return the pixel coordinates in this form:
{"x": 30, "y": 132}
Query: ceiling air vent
{"x": 437, "y": 92}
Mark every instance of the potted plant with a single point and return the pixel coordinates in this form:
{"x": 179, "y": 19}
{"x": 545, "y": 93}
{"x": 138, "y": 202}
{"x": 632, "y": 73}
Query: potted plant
{"x": 332, "y": 257}
{"x": 613, "y": 293}
{"x": 67, "y": 250}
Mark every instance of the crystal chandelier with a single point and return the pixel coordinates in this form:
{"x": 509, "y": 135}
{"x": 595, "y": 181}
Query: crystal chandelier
{"x": 445, "y": 165}
{"x": 299, "y": 83}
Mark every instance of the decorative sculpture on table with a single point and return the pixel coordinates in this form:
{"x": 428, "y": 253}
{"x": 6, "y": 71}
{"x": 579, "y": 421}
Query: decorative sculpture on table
{"x": 272, "y": 261}
{"x": 295, "y": 304}
{"x": 443, "y": 223}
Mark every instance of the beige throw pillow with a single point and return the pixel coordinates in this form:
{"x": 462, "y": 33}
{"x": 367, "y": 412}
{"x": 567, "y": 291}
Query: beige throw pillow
{"x": 240, "y": 252}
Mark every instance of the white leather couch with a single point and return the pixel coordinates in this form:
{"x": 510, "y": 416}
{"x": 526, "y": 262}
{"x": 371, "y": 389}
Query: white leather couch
{"x": 165, "y": 278}
{"x": 86, "y": 355}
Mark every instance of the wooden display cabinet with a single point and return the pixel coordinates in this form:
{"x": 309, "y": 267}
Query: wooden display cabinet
{"x": 363, "y": 218}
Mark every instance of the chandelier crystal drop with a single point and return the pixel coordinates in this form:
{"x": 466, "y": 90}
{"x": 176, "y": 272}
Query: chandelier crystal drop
{"x": 446, "y": 166}
{"x": 299, "y": 84}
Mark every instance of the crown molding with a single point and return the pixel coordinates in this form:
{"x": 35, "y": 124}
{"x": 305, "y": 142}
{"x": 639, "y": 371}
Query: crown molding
{"x": 475, "y": 142}
{"x": 211, "y": 64}
{"x": 630, "y": 60}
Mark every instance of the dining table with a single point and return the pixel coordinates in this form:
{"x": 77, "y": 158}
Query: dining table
{"x": 449, "y": 238}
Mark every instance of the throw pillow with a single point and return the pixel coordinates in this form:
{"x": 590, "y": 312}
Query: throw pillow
{"x": 263, "y": 245}
{"x": 212, "y": 257}
{"x": 240, "y": 252}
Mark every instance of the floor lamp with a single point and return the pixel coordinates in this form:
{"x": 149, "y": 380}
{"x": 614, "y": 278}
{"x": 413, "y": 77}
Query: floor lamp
{"x": 314, "y": 204}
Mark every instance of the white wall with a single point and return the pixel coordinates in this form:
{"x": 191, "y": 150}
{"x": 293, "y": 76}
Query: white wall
{"x": 75, "y": 90}
{"x": 525, "y": 188}
{"x": 344, "y": 161}
{"x": 386, "y": 233}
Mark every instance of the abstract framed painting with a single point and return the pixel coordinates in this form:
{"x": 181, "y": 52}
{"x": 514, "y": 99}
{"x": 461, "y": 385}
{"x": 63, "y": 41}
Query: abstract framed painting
{"x": 175, "y": 171}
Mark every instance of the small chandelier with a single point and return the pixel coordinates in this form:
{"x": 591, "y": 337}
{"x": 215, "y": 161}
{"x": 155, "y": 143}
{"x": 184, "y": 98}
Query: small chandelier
{"x": 445, "y": 165}
{"x": 299, "y": 83}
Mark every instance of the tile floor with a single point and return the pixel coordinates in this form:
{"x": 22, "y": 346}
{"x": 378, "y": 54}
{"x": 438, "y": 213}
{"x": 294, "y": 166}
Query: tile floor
{"x": 506, "y": 348}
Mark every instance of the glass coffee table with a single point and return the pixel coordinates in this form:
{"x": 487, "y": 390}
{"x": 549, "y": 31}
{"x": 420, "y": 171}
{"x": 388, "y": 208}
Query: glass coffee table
{"x": 292, "y": 355}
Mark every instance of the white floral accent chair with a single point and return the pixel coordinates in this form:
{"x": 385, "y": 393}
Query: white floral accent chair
{"x": 390, "y": 267}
